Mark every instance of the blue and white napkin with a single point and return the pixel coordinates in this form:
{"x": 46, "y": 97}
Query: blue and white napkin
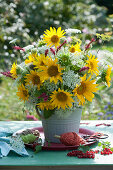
{"x": 11, "y": 143}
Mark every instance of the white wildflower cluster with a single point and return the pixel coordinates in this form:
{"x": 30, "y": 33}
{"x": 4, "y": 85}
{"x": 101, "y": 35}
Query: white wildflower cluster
{"x": 21, "y": 65}
{"x": 79, "y": 62}
{"x": 51, "y": 86}
{"x": 106, "y": 57}
{"x": 16, "y": 143}
{"x": 70, "y": 31}
{"x": 30, "y": 104}
{"x": 39, "y": 50}
{"x": 70, "y": 79}
{"x": 62, "y": 114}
{"x": 42, "y": 49}
{"x": 27, "y": 55}
{"x": 29, "y": 51}
{"x": 15, "y": 83}
{"x": 32, "y": 98}
{"x": 29, "y": 47}
{"x": 76, "y": 103}
{"x": 77, "y": 59}
{"x": 62, "y": 51}
{"x": 93, "y": 52}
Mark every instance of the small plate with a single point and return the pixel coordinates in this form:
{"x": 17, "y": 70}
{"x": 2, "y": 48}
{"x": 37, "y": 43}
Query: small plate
{"x": 59, "y": 146}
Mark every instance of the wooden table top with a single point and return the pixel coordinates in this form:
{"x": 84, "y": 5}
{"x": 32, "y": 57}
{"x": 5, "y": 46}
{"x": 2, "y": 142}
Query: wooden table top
{"x": 57, "y": 159}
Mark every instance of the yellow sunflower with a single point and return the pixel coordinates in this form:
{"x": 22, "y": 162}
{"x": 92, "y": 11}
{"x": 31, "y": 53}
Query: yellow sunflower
{"x": 31, "y": 58}
{"x": 34, "y": 77}
{"x": 85, "y": 90}
{"x": 92, "y": 64}
{"x": 52, "y": 71}
{"x": 40, "y": 61}
{"x": 107, "y": 77}
{"x": 61, "y": 99}
{"x": 14, "y": 71}
{"x": 45, "y": 105}
{"x": 53, "y": 36}
{"x": 75, "y": 48}
{"x": 22, "y": 93}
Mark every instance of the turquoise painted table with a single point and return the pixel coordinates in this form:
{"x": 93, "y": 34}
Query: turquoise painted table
{"x": 56, "y": 159}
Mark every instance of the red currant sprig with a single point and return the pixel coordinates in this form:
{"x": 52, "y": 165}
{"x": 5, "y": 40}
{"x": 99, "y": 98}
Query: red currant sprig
{"x": 74, "y": 153}
{"x": 96, "y": 151}
{"x": 89, "y": 154}
{"x": 80, "y": 154}
{"x": 106, "y": 151}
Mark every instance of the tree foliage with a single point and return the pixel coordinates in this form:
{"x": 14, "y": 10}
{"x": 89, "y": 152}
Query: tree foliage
{"x": 26, "y": 20}
{"x": 107, "y": 3}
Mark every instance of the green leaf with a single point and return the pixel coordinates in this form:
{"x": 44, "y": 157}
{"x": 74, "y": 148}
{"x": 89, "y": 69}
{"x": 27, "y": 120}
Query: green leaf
{"x": 104, "y": 146}
{"x": 99, "y": 144}
{"x": 97, "y": 96}
{"x": 48, "y": 142}
{"x": 48, "y": 113}
{"x": 30, "y": 138}
{"x": 99, "y": 80}
{"x": 107, "y": 143}
{"x": 38, "y": 148}
{"x": 103, "y": 87}
{"x": 111, "y": 149}
{"x": 83, "y": 148}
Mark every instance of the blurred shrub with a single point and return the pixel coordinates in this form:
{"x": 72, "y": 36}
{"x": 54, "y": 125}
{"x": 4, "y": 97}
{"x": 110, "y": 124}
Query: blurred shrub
{"x": 106, "y": 105}
{"x": 107, "y": 3}
{"x": 26, "y": 20}
{"x": 11, "y": 26}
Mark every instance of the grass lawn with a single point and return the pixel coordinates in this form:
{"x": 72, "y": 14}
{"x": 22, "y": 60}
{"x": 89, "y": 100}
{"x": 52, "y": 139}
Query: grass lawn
{"x": 108, "y": 46}
{"x": 11, "y": 108}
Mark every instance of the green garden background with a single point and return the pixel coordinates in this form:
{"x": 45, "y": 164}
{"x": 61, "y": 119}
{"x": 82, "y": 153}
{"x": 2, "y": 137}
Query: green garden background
{"x": 26, "y": 20}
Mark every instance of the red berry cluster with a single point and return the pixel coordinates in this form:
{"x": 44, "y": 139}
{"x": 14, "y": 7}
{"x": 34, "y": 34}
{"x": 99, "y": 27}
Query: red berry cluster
{"x": 80, "y": 154}
{"x": 74, "y": 153}
{"x": 96, "y": 151}
{"x": 89, "y": 154}
{"x": 106, "y": 151}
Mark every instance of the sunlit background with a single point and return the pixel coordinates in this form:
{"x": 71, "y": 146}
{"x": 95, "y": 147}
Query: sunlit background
{"x": 26, "y": 21}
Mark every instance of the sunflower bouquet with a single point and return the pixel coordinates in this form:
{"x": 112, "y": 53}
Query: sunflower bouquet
{"x": 59, "y": 73}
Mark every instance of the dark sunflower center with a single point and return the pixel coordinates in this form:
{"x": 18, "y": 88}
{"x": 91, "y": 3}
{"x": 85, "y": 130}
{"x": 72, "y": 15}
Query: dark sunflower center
{"x": 72, "y": 50}
{"x": 53, "y": 71}
{"x": 25, "y": 93}
{"x": 81, "y": 89}
{"x": 54, "y": 38}
{"x": 91, "y": 65}
{"x": 36, "y": 80}
{"x": 62, "y": 97}
{"x": 42, "y": 63}
{"x": 32, "y": 67}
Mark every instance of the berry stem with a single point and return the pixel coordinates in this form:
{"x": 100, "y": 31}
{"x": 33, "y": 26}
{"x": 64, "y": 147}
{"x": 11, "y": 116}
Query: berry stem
{"x": 56, "y": 136}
